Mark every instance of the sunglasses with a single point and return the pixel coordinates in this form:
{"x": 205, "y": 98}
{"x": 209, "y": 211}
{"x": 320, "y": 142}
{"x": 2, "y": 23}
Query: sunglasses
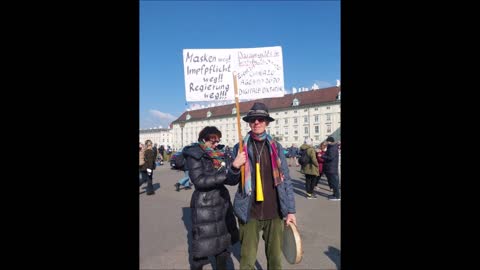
{"x": 260, "y": 120}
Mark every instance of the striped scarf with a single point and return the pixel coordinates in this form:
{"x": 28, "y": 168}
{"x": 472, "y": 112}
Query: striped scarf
{"x": 276, "y": 162}
{"x": 216, "y": 155}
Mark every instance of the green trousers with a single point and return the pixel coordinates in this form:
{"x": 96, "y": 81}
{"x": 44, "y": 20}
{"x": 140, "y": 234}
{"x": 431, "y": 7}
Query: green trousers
{"x": 273, "y": 237}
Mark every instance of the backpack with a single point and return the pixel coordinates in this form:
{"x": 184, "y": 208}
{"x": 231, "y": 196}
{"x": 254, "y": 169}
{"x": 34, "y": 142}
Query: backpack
{"x": 304, "y": 159}
{"x": 179, "y": 161}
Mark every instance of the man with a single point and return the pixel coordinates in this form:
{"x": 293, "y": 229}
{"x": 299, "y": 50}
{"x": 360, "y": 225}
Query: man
{"x": 262, "y": 204}
{"x": 155, "y": 154}
{"x": 185, "y": 181}
{"x": 330, "y": 167}
{"x": 311, "y": 169}
{"x": 293, "y": 153}
{"x": 161, "y": 152}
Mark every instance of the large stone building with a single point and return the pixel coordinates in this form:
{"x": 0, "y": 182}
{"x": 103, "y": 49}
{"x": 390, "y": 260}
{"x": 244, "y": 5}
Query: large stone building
{"x": 312, "y": 114}
{"x": 160, "y": 136}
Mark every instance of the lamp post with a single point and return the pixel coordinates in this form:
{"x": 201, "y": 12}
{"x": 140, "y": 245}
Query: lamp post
{"x": 182, "y": 124}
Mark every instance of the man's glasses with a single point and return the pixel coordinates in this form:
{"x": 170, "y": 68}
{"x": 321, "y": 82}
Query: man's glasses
{"x": 260, "y": 120}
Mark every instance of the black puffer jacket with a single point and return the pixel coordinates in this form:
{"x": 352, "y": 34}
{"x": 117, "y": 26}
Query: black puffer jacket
{"x": 331, "y": 159}
{"x": 214, "y": 227}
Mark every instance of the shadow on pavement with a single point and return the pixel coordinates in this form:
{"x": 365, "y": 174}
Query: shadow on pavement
{"x": 235, "y": 249}
{"x": 334, "y": 255}
{"x": 320, "y": 190}
{"x": 236, "y": 253}
{"x": 155, "y": 187}
{"x": 299, "y": 187}
{"x": 323, "y": 194}
{"x": 187, "y": 220}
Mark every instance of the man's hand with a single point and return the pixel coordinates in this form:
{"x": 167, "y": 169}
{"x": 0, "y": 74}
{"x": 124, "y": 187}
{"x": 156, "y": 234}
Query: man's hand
{"x": 239, "y": 160}
{"x": 291, "y": 218}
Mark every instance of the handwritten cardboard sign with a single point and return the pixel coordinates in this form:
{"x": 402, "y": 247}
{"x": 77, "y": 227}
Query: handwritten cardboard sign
{"x": 209, "y": 73}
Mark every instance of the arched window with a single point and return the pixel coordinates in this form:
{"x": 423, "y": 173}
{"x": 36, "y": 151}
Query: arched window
{"x": 295, "y": 102}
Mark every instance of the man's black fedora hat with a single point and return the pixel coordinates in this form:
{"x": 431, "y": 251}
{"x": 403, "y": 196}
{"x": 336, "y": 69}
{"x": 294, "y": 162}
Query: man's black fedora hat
{"x": 258, "y": 110}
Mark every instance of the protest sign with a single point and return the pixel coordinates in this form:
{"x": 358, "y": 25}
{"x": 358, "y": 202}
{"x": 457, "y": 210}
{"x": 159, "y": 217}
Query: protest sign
{"x": 208, "y": 73}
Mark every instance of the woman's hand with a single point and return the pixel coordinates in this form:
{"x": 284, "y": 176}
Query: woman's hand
{"x": 239, "y": 160}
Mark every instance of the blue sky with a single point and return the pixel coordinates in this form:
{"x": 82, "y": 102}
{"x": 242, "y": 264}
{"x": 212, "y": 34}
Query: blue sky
{"x": 307, "y": 31}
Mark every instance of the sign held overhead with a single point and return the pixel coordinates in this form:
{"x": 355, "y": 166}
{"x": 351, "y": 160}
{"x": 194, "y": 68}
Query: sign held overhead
{"x": 208, "y": 73}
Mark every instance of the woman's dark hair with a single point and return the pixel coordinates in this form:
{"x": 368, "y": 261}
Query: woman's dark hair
{"x": 207, "y": 132}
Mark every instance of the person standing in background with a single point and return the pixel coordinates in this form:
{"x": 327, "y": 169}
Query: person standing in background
{"x": 155, "y": 153}
{"x": 142, "y": 174}
{"x": 320, "y": 151}
{"x": 293, "y": 153}
{"x": 310, "y": 169}
{"x": 148, "y": 166}
{"x": 330, "y": 167}
{"x": 185, "y": 181}
{"x": 161, "y": 151}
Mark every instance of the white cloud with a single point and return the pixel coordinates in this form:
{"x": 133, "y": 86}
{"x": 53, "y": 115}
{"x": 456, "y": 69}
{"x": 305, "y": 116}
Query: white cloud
{"x": 157, "y": 119}
{"x": 162, "y": 115}
{"x": 195, "y": 106}
{"x": 323, "y": 84}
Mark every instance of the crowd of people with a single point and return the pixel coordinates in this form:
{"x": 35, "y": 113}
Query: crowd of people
{"x": 264, "y": 202}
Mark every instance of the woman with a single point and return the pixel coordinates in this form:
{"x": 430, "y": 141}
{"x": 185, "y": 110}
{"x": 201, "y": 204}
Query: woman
{"x": 321, "y": 151}
{"x": 142, "y": 175}
{"x": 214, "y": 227}
{"x": 148, "y": 167}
